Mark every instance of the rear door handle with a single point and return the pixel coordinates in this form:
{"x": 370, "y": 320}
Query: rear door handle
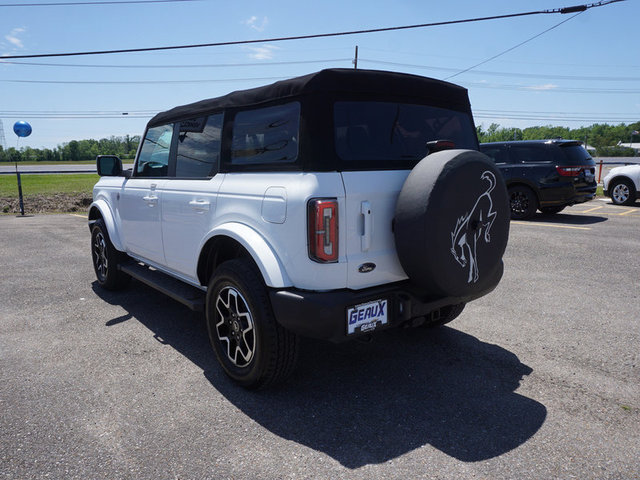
{"x": 365, "y": 240}
{"x": 199, "y": 205}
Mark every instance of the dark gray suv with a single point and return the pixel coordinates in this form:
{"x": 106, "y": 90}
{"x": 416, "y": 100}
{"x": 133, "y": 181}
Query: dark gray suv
{"x": 545, "y": 175}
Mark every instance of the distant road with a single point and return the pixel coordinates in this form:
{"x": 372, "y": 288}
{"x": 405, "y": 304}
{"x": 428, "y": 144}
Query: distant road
{"x": 49, "y": 168}
{"x": 6, "y": 169}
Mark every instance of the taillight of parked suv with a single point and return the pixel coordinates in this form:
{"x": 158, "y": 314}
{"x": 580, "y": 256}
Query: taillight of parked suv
{"x": 574, "y": 171}
{"x": 322, "y": 218}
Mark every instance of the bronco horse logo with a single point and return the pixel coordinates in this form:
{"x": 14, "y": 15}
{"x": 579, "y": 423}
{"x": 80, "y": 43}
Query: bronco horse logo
{"x": 472, "y": 227}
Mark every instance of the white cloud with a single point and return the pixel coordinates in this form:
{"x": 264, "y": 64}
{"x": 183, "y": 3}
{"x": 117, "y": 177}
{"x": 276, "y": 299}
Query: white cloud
{"x": 14, "y": 37}
{"x": 546, "y": 86}
{"x": 254, "y": 23}
{"x": 262, "y": 52}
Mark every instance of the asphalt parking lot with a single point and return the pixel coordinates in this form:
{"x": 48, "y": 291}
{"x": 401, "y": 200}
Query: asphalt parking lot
{"x": 539, "y": 379}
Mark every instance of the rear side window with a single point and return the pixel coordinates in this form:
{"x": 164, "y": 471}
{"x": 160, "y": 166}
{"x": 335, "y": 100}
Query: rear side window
{"x": 153, "y": 160}
{"x": 576, "y": 155}
{"x": 266, "y": 136}
{"x": 396, "y": 132}
{"x": 497, "y": 154}
{"x": 198, "y": 153}
{"x": 531, "y": 154}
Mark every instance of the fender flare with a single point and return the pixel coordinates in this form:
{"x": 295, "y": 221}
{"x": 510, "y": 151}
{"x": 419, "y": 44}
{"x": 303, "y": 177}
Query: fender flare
{"x": 270, "y": 266}
{"x": 107, "y": 215}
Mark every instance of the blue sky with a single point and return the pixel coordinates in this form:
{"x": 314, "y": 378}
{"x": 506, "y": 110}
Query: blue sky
{"x": 585, "y": 71}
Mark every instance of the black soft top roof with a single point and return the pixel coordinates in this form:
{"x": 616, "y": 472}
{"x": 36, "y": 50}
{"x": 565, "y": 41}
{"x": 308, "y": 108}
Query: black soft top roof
{"x": 339, "y": 82}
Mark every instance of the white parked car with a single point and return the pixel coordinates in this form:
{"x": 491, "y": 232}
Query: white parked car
{"x": 331, "y": 206}
{"x": 622, "y": 184}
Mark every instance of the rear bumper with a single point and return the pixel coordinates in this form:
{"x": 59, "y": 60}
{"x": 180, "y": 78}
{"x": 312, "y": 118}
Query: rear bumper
{"x": 323, "y": 315}
{"x": 567, "y": 195}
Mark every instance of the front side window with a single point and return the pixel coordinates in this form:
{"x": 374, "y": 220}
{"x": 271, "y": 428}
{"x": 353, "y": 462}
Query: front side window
{"x": 266, "y": 135}
{"x": 153, "y": 160}
{"x": 199, "y": 142}
{"x": 396, "y": 132}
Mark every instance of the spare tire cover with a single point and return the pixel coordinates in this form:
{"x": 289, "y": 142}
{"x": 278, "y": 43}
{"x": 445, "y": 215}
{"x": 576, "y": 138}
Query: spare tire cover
{"x": 451, "y": 224}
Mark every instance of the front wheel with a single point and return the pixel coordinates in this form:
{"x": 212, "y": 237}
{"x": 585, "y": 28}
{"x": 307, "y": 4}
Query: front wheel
{"x": 622, "y": 192}
{"x": 253, "y": 349}
{"x": 522, "y": 201}
{"x": 106, "y": 259}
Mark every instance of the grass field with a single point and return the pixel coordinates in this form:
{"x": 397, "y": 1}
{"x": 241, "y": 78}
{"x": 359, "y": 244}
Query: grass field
{"x": 80, "y": 162}
{"x": 47, "y": 184}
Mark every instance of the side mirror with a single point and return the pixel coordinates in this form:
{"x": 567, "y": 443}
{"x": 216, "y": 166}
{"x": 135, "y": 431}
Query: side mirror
{"x": 110, "y": 166}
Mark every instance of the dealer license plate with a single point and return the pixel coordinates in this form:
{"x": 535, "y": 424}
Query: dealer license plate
{"x": 367, "y": 316}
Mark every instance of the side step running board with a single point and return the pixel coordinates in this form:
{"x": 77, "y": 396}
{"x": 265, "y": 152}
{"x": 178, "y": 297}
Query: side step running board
{"x": 190, "y": 296}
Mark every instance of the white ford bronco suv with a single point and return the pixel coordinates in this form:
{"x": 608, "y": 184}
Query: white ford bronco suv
{"x": 330, "y": 206}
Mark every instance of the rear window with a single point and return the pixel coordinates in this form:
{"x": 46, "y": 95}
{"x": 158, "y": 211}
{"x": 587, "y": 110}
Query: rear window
{"x": 396, "y": 132}
{"x": 576, "y": 155}
{"x": 266, "y": 135}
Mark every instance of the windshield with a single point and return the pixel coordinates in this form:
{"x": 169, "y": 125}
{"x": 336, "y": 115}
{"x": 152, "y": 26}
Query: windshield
{"x": 388, "y": 132}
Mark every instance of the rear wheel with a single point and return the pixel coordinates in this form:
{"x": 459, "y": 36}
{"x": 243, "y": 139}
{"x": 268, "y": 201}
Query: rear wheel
{"x": 253, "y": 349}
{"x": 622, "y": 192}
{"x": 106, "y": 259}
{"x": 522, "y": 201}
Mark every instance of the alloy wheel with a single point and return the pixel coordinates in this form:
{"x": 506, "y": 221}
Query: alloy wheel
{"x": 621, "y": 193}
{"x": 519, "y": 202}
{"x": 100, "y": 259}
{"x": 235, "y": 327}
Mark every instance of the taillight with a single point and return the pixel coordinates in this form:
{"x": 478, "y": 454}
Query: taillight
{"x": 322, "y": 217}
{"x": 569, "y": 171}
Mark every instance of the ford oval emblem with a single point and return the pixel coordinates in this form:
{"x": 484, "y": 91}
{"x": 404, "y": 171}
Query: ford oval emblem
{"x": 367, "y": 267}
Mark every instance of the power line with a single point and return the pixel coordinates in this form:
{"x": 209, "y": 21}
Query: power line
{"x": 143, "y": 82}
{"x": 551, "y": 88}
{"x": 68, "y": 4}
{"x": 531, "y": 88}
{"x": 513, "y": 48}
{"x": 527, "y": 62}
{"x": 508, "y": 74}
{"x": 218, "y": 65}
{"x": 578, "y": 8}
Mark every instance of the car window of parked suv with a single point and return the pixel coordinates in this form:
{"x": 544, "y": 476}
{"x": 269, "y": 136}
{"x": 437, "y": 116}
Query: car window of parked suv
{"x": 198, "y": 152}
{"x": 153, "y": 160}
{"x": 530, "y": 154}
{"x": 266, "y": 135}
{"x": 497, "y": 154}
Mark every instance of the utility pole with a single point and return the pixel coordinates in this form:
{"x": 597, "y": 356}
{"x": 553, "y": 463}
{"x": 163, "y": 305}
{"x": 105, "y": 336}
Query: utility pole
{"x": 3, "y": 143}
{"x": 355, "y": 60}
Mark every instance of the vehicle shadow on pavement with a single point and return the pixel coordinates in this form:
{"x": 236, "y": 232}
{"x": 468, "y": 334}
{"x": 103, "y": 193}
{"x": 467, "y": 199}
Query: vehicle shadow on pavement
{"x": 566, "y": 219}
{"x": 368, "y": 403}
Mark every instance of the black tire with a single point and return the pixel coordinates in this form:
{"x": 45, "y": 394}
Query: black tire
{"x": 522, "y": 201}
{"x": 447, "y": 314}
{"x": 622, "y": 192}
{"x": 552, "y": 210}
{"x": 106, "y": 259}
{"x": 451, "y": 224}
{"x": 253, "y": 349}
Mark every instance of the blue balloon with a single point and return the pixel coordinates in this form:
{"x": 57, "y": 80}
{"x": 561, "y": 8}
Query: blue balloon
{"x": 22, "y": 129}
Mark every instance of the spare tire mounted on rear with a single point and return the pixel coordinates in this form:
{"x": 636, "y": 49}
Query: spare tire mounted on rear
{"x": 452, "y": 223}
